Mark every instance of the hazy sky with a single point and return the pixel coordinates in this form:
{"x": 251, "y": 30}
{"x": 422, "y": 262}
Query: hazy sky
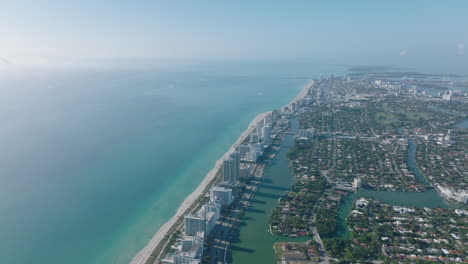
{"x": 232, "y": 29}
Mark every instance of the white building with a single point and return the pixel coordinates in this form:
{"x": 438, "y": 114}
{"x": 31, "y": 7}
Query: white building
{"x": 211, "y": 212}
{"x": 214, "y": 207}
{"x": 191, "y": 256}
{"x": 447, "y": 96}
{"x": 357, "y": 183}
{"x": 210, "y": 221}
{"x": 268, "y": 121}
{"x": 275, "y": 114}
{"x": 231, "y": 168}
{"x": 195, "y": 224}
{"x": 254, "y": 138}
{"x": 204, "y": 220}
{"x": 221, "y": 195}
{"x": 256, "y": 150}
{"x": 236, "y": 157}
{"x": 361, "y": 202}
{"x": 243, "y": 149}
{"x": 266, "y": 135}
{"x": 252, "y": 155}
{"x": 258, "y": 130}
{"x": 189, "y": 241}
{"x": 306, "y": 133}
{"x": 460, "y": 196}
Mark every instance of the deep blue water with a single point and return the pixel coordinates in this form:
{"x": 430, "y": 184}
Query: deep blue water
{"x": 93, "y": 161}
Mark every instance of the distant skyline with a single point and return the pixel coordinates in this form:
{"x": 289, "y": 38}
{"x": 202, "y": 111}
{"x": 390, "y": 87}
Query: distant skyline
{"x": 339, "y": 31}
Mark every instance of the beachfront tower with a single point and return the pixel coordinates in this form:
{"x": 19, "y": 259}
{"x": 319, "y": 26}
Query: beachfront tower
{"x": 268, "y": 121}
{"x": 213, "y": 206}
{"x": 266, "y": 132}
{"x": 195, "y": 224}
{"x": 221, "y": 195}
{"x": 228, "y": 170}
{"x": 275, "y": 115}
{"x": 253, "y": 138}
{"x": 236, "y": 157}
{"x": 259, "y": 129}
{"x": 231, "y": 168}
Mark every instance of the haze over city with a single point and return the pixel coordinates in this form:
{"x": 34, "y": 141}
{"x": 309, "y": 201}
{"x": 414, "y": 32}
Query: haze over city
{"x": 48, "y": 32}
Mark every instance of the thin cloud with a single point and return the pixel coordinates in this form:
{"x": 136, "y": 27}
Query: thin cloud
{"x": 403, "y": 53}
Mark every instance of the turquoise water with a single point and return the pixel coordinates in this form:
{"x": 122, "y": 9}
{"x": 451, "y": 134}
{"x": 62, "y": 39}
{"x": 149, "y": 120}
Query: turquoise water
{"x": 346, "y": 205}
{"x": 94, "y": 161}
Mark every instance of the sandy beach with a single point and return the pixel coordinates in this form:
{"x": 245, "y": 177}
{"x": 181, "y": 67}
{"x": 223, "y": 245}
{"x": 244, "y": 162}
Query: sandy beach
{"x": 301, "y": 94}
{"x": 143, "y": 256}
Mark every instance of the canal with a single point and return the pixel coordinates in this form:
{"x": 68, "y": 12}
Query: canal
{"x": 430, "y": 198}
{"x": 254, "y": 244}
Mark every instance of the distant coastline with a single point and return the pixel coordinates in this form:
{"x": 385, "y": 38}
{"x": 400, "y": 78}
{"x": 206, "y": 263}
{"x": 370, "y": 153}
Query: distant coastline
{"x": 144, "y": 255}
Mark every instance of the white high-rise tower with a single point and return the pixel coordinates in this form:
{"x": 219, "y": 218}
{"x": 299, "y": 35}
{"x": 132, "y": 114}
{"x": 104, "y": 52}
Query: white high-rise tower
{"x": 231, "y": 168}
{"x": 266, "y": 132}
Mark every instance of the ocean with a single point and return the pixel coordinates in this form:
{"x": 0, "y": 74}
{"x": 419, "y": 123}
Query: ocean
{"x": 94, "y": 160}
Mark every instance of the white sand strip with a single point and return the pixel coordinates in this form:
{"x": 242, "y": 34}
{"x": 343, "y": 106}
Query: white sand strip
{"x": 143, "y": 256}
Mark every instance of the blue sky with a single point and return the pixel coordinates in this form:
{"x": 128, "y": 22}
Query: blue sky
{"x": 325, "y": 30}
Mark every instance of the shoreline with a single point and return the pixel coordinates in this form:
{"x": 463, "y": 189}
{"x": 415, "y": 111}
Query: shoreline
{"x": 143, "y": 255}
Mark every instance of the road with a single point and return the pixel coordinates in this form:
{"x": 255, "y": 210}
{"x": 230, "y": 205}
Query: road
{"x": 324, "y": 258}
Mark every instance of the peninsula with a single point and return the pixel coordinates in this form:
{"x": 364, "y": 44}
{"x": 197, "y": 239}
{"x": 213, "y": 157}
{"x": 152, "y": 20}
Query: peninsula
{"x": 353, "y": 142}
{"x": 154, "y": 250}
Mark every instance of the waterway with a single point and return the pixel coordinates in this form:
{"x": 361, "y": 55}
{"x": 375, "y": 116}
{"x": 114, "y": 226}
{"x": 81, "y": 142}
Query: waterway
{"x": 341, "y": 230}
{"x": 254, "y": 243}
{"x": 430, "y": 198}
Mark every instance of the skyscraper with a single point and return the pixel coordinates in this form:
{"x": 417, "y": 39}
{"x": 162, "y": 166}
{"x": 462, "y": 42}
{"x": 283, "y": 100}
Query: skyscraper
{"x": 195, "y": 224}
{"x": 236, "y": 157}
{"x": 275, "y": 114}
{"x": 259, "y": 129}
{"x": 266, "y": 132}
{"x": 214, "y": 207}
{"x": 221, "y": 195}
{"x": 253, "y": 138}
{"x": 268, "y": 121}
{"x": 228, "y": 168}
{"x": 231, "y": 168}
